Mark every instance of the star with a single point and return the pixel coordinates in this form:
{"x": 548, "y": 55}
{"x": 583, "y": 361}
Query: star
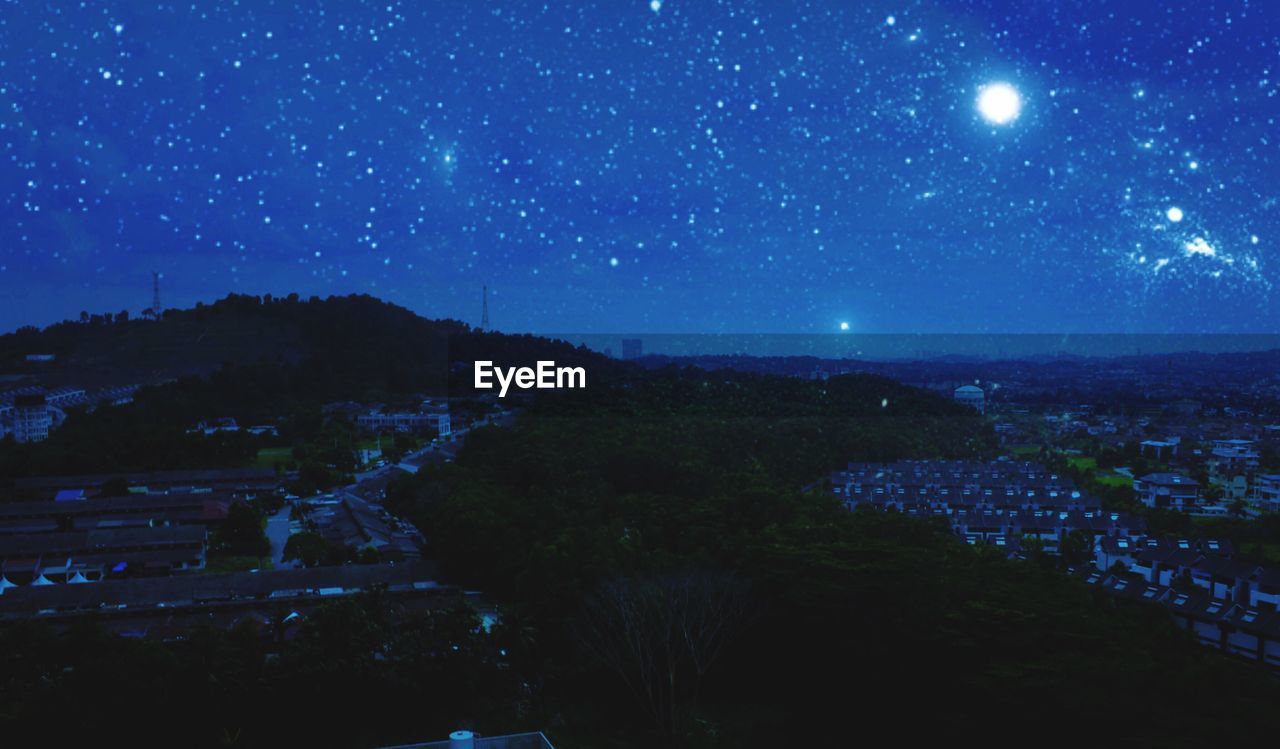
{"x": 999, "y": 103}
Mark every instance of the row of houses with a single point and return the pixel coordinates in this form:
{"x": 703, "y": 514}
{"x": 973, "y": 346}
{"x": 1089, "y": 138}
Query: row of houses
{"x": 1175, "y": 491}
{"x": 1002, "y": 483}
{"x": 1208, "y": 564}
{"x": 348, "y": 520}
{"x": 1009, "y": 527}
{"x": 30, "y": 413}
{"x": 129, "y": 511}
{"x": 73, "y": 557}
{"x": 74, "y": 538}
{"x": 432, "y": 422}
{"x": 57, "y": 530}
{"x": 1228, "y": 602}
{"x": 998, "y": 503}
{"x": 62, "y": 397}
{"x": 1244, "y": 630}
{"x": 151, "y": 597}
{"x": 1233, "y": 465}
{"x": 243, "y": 483}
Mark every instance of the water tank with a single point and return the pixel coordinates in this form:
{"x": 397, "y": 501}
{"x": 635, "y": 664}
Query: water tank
{"x": 462, "y": 740}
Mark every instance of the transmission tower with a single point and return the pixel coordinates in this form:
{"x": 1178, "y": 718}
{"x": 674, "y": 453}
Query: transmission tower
{"x": 155, "y": 295}
{"x": 484, "y": 309}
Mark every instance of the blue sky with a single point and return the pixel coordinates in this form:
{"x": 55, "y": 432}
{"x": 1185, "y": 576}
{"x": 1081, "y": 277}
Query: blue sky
{"x": 673, "y": 167}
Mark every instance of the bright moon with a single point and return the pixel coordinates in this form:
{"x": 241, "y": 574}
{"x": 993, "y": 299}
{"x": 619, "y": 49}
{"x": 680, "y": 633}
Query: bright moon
{"x": 844, "y": 326}
{"x": 999, "y": 103}
{"x": 1174, "y": 214}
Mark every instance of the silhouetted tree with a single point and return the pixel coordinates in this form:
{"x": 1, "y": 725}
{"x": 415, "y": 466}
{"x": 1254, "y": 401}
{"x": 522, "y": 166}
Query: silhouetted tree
{"x": 661, "y": 635}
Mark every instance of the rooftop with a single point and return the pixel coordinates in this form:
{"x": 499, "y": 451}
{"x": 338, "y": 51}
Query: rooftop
{"x": 535, "y": 740}
{"x": 166, "y": 592}
{"x": 1169, "y": 479}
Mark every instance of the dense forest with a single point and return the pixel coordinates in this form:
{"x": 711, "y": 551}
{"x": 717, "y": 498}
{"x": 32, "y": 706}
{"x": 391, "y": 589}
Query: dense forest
{"x": 686, "y": 591}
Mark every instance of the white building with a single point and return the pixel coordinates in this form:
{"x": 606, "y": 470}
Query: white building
{"x": 406, "y": 422}
{"x": 1266, "y": 492}
{"x": 1167, "y": 490}
{"x": 32, "y": 418}
{"x": 972, "y": 396}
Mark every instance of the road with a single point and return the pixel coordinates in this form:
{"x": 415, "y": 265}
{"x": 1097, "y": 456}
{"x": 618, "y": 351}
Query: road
{"x": 441, "y": 451}
{"x": 278, "y": 534}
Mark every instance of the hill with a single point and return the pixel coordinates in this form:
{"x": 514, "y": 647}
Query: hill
{"x": 356, "y": 338}
{"x": 255, "y": 359}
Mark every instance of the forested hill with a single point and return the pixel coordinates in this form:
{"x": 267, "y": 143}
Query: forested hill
{"x": 357, "y": 343}
{"x": 260, "y": 360}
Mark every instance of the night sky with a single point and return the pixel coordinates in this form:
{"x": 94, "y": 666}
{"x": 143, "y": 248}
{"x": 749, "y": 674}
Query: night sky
{"x": 682, "y": 166}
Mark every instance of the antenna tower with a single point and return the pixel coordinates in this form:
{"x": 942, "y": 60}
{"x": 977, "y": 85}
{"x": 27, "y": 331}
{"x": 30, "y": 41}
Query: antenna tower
{"x": 155, "y": 295}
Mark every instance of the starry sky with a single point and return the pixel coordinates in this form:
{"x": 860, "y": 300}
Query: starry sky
{"x": 637, "y": 166}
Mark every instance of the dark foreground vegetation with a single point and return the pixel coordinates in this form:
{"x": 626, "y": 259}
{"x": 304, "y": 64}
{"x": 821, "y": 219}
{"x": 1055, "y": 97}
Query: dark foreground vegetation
{"x": 667, "y": 580}
{"x": 683, "y": 590}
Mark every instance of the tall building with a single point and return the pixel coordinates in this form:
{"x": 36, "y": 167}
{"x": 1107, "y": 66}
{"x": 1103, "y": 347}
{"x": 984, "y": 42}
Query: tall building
{"x": 32, "y": 418}
{"x": 972, "y": 396}
{"x": 632, "y": 348}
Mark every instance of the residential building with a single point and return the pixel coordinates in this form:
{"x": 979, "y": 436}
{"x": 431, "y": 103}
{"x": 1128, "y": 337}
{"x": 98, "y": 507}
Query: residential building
{"x": 1159, "y": 449}
{"x": 1167, "y": 490}
{"x": 1265, "y": 593}
{"x": 245, "y": 483}
{"x": 1110, "y": 551}
{"x": 71, "y": 510}
{"x": 1231, "y": 464}
{"x": 996, "y": 503}
{"x": 435, "y": 422}
{"x": 1241, "y": 629}
{"x": 1265, "y": 494}
{"x": 88, "y": 556}
{"x": 220, "y": 598}
{"x": 32, "y": 418}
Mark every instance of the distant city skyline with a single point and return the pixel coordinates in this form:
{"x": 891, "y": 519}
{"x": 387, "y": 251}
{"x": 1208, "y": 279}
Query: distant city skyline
{"x": 921, "y": 346}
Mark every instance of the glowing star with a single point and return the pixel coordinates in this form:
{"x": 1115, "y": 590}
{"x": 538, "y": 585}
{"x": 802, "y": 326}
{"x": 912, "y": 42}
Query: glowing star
{"x": 1198, "y": 246}
{"x": 655, "y": 5}
{"x": 999, "y": 103}
{"x": 844, "y": 326}
{"x": 1174, "y": 214}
